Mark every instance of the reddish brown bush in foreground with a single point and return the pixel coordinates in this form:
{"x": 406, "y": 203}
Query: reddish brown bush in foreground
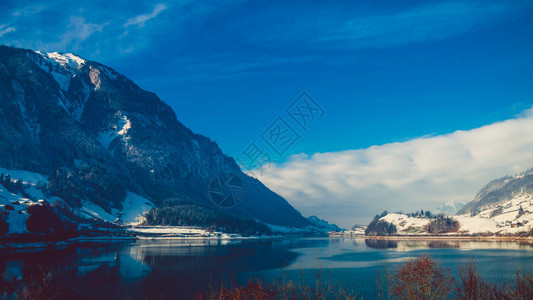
{"x": 253, "y": 290}
{"x": 523, "y": 287}
{"x": 421, "y": 278}
{"x": 471, "y": 286}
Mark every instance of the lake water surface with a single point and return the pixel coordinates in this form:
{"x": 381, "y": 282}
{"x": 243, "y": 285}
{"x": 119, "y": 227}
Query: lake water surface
{"x": 179, "y": 268}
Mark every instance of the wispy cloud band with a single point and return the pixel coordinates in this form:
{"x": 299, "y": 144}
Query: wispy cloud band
{"x": 352, "y": 186}
{"x": 141, "y": 20}
{"x": 4, "y": 29}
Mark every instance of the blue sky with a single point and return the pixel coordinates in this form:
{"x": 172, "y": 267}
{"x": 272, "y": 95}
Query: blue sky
{"x": 384, "y": 72}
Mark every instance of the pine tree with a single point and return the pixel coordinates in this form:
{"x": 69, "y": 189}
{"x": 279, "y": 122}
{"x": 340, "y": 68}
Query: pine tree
{"x": 18, "y": 185}
{"x": 7, "y": 181}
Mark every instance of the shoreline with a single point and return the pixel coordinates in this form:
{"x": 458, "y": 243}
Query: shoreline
{"x": 59, "y": 244}
{"x": 449, "y": 237}
{"x": 30, "y": 242}
{"x": 41, "y": 243}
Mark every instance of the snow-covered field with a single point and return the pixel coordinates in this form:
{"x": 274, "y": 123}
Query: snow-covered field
{"x": 405, "y": 224}
{"x": 510, "y": 217}
{"x": 184, "y": 232}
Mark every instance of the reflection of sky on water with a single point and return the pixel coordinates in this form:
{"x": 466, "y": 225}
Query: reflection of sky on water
{"x": 361, "y": 253}
{"x": 130, "y": 267}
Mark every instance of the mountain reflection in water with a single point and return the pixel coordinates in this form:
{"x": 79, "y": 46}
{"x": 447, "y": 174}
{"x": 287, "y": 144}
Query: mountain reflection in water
{"x": 179, "y": 268}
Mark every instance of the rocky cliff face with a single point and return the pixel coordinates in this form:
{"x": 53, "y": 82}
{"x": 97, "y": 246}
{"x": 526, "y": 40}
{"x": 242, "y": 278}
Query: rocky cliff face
{"x": 97, "y": 135}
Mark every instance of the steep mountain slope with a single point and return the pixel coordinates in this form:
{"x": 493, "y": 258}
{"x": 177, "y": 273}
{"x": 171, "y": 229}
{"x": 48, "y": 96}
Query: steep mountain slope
{"x": 499, "y": 191}
{"x": 97, "y": 136}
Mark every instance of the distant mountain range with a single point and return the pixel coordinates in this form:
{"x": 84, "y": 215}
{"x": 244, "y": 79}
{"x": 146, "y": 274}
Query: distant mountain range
{"x": 449, "y": 208}
{"x": 317, "y": 222}
{"x": 98, "y": 139}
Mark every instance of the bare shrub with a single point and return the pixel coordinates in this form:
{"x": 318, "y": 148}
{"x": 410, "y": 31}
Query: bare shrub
{"x": 421, "y": 278}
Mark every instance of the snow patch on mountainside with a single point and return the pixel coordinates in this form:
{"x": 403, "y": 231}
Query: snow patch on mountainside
{"x": 105, "y": 138}
{"x": 124, "y": 125}
{"x": 120, "y": 129}
{"x": 134, "y": 207}
{"x": 90, "y": 210}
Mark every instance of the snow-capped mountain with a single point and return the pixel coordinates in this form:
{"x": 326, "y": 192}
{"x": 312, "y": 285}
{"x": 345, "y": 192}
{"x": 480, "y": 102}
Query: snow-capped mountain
{"x": 449, "y": 208}
{"x": 101, "y": 141}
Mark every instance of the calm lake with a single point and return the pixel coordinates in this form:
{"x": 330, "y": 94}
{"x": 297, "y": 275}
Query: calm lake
{"x": 179, "y": 268}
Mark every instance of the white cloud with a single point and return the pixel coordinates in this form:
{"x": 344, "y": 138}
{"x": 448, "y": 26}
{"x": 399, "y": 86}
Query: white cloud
{"x": 5, "y": 30}
{"x": 80, "y": 30}
{"x": 77, "y": 31}
{"x": 141, "y": 20}
{"x": 352, "y": 186}
{"x": 28, "y": 10}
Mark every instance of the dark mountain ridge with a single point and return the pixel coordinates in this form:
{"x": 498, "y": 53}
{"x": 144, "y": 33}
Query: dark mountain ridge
{"x": 97, "y": 135}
